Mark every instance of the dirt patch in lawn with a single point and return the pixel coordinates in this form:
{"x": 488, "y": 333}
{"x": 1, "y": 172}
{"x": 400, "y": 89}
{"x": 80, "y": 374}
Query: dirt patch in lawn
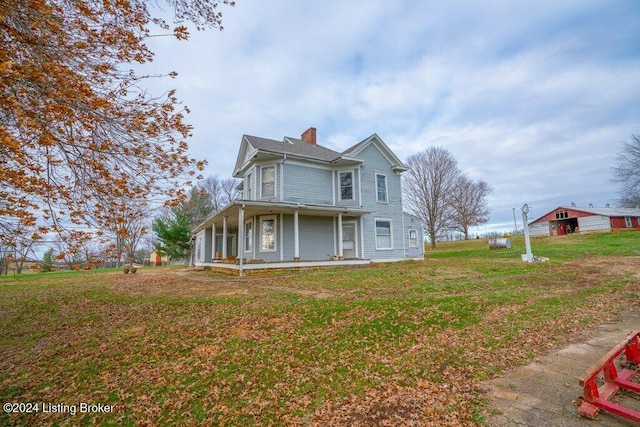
{"x": 189, "y": 284}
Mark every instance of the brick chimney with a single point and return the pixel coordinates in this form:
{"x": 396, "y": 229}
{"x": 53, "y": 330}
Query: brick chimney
{"x": 309, "y": 136}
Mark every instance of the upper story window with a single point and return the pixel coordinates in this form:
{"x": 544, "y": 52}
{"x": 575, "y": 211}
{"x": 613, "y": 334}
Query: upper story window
{"x": 268, "y": 182}
{"x": 247, "y": 182}
{"x": 381, "y": 187}
{"x": 562, "y": 214}
{"x": 346, "y": 185}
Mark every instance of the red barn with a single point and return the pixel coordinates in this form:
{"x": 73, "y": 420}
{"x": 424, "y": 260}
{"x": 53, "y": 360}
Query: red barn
{"x": 567, "y": 220}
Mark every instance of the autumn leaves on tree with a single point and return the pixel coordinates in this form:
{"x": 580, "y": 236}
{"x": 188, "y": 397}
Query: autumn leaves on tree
{"x": 83, "y": 142}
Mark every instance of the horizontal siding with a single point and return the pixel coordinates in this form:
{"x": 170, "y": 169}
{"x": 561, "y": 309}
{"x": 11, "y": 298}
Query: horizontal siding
{"x": 307, "y": 185}
{"x": 316, "y": 238}
{"x": 398, "y": 237}
{"x": 594, "y": 223}
{"x": 539, "y": 229}
{"x": 621, "y": 222}
{"x": 411, "y": 222}
{"x": 208, "y": 243}
{"x": 287, "y": 233}
{"x": 374, "y": 162}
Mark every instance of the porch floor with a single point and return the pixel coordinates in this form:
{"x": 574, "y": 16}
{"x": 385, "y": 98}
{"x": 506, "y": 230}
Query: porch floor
{"x": 283, "y": 265}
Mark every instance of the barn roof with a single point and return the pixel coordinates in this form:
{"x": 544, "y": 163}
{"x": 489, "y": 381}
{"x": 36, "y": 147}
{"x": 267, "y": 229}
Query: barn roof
{"x": 609, "y": 212}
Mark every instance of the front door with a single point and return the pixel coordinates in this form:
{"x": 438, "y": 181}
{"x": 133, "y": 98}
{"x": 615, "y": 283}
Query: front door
{"x": 349, "y": 239}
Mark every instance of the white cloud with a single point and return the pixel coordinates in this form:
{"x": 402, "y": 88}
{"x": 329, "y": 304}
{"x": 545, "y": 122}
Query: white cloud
{"x": 533, "y": 97}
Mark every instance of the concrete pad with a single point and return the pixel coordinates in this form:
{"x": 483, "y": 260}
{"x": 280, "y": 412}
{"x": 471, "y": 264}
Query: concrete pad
{"x": 546, "y": 392}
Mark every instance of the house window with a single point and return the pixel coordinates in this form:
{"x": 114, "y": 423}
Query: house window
{"x": 627, "y": 221}
{"x": 248, "y": 236}
{"x": 268, "y": 182}
{"x": 268, "y": 234}
{"x": 383, "y": 234}
{"x": 346, "y": 185}
{"x": 381, "y": 187}
{"x": 413, "y": 238}
{"x": 562, "y": 214}
{"x": 248, "y": 186}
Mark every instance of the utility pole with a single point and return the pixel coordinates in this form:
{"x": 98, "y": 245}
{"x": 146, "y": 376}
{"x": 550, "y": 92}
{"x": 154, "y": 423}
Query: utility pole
{"x": 515, "y": 224}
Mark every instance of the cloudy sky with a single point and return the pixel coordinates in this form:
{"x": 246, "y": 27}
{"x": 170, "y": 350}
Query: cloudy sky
{"x": 534, "y": 97}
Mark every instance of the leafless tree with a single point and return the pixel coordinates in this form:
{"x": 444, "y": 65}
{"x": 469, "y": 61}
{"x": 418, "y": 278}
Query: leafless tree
{"x": 209, "y": 196}
{"x": 229, "y": 191}
{"x": 469, "y": 203}
{"x": 429, "y": 184}
{"x": 17, "y": 243}
{"x": 219, "y": 191}
{"x": 630, "y": 200}
{"x": 627, "y": 172}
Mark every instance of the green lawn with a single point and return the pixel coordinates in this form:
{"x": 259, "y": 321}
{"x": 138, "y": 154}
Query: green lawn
{"x": 391, "y": 342}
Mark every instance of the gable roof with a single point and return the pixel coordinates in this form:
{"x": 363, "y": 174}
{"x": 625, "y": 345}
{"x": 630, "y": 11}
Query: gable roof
{"x": 289, "y": 146}
{"x": 252, "y": 146}
{"x": 374, "y": 139}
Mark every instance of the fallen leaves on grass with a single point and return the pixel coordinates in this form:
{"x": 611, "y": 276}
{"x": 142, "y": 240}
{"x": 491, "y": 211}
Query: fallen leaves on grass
{"x": 426, "y": 404}
{"x": 167, "y": 350}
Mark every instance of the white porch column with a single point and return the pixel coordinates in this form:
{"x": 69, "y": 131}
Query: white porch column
{"x": 296, "y": 237}
{"x": 362, "y": 255}
{"x": 224, "y": 237}
{"x": 340, "y": 251}
{"x": 240, "y": 238}
{"x": 213, "y": 241}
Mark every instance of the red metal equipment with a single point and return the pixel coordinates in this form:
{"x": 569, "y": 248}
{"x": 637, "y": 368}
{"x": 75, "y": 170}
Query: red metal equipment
{"x": 596, "y": 398}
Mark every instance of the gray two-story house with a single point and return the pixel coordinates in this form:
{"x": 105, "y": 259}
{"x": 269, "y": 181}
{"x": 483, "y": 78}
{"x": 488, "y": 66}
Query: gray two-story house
{"x": 303, "y": 203}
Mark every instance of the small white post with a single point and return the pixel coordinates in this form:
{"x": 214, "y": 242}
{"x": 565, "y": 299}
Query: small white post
{"x": 527, "y": 240}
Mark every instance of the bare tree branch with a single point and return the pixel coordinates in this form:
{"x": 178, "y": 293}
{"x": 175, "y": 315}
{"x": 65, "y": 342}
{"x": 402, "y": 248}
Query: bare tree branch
{"x": 469, "y": 203}
{"x": 627, "y": 172}
{"x": 428, "y": 186}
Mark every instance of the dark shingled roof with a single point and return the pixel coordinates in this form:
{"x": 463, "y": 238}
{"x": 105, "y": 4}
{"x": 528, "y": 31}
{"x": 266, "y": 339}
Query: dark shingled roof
{"x": 293, "y": 146}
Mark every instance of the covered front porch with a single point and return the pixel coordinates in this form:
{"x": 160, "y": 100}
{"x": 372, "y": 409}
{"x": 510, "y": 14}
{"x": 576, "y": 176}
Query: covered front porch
{"x": 252, "y": 235}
